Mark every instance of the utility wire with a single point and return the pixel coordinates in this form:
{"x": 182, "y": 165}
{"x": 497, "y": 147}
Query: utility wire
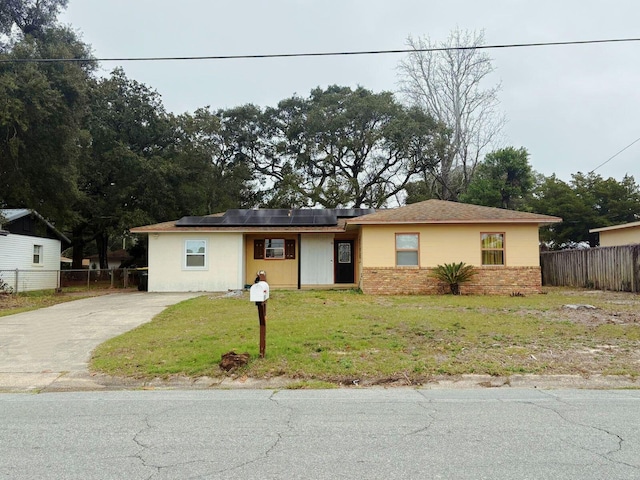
{"x": 615, "y": 155}
{"x": 317, "y": 54}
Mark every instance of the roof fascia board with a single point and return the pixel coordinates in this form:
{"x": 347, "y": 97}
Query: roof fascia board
{"x": 615, "y": 227}
{"x": 538, "y": 221}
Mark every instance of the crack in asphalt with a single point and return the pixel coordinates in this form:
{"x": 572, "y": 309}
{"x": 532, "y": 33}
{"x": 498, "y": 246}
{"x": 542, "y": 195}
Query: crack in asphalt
{"x": 144, "y": 447}
{"x": 430, "y": 415}
{"x": 287, "y": 423}
{"x": 269, "y": 449}
{"x": 605, "y": 455}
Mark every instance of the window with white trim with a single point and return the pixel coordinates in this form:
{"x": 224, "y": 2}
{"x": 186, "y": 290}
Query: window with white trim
{"x": 37, "y": 255}
{"x": 407, "y": 245}
{"x": 274, "y": 248}
{"x": 195, "y": 254}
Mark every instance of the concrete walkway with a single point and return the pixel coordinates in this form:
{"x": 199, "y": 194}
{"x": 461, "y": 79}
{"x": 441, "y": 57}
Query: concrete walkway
{"x": 53, "y": 345}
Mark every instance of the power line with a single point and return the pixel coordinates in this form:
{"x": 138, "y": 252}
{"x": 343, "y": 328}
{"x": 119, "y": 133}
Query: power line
{"x": 615, "y": 155}
{"x": 316, "y": 54}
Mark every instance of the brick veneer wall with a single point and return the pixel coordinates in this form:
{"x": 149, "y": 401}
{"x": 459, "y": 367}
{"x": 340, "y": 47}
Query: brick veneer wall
{"x": 418, "y": 281}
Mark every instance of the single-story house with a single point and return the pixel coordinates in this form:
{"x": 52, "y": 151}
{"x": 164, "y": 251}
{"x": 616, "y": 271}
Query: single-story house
{"x": 114, "y": 259}
{"x": 625, "y": 234}
{"x": 31, "y": 246}
{"x": 384, "y": 252}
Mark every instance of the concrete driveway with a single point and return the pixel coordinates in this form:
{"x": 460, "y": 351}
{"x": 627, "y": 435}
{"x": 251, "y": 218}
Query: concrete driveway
{"x": 53, "y": 345}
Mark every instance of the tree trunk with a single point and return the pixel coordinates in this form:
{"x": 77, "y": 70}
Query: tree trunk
{"x": 78, "y": 244}
{"x": 102, "y": 240}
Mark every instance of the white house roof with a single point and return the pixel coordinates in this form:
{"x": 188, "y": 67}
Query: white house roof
{"x": 12, "y": 214}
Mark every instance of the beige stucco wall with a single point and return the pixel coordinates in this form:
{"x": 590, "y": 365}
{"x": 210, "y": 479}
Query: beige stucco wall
{"x": 623, "y": 236}
{"x": 450, "y": 243}
{"x": 167, "y": 272}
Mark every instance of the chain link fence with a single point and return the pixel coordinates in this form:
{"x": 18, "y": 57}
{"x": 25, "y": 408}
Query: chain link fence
{"x": 20, "y": 281}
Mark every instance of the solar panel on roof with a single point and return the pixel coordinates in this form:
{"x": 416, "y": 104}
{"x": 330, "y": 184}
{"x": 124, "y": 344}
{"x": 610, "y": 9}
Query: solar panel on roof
{"x": 279, "y": 220}
{"x": 258, "y": 221}
{"x": 212, "y": 220}
{"x": 298, "y": 217}
{"x": 352, "y": 212}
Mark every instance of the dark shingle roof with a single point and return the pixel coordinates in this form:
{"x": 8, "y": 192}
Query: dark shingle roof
{"x": 429, "y": 211}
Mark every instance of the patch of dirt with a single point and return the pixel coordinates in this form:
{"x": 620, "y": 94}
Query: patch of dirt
{"x": 232, "y": 360}
{"x": 598, "y": 317}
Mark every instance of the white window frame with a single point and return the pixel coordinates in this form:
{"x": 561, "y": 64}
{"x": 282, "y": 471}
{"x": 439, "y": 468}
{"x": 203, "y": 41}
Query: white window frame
{"x": 277, "y": 253}
{"x": 408, "y": 250}
{"x": 205, "y": 254}
{"x": 38, "y": 250}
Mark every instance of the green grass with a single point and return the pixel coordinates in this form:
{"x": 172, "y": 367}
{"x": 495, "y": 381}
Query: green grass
{"x": 345, "y": 337}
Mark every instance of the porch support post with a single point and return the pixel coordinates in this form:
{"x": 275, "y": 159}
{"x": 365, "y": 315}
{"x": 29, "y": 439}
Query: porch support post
{"x": 299, "y": 261}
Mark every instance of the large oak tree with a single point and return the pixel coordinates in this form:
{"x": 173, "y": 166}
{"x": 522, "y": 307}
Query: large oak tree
{"x": 344, "y": 147}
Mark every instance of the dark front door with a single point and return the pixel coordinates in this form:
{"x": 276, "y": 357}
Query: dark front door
{"x": 344, "y": 261}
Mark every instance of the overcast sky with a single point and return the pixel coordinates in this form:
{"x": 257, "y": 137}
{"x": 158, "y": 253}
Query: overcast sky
{"x": 571, "y": 107}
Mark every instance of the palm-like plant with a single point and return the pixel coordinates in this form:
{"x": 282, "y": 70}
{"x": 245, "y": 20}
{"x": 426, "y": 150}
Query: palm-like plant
{"x": 454, "y": 274}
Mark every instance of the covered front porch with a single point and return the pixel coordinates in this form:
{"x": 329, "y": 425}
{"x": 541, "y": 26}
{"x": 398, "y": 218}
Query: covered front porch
{"x": 303, "y": 260}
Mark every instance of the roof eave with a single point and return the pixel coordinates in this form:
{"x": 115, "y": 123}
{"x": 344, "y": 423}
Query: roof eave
{"x": 454, "y": 222}
{"x": 615, "y": 227}
{"x": 142, "y": 230}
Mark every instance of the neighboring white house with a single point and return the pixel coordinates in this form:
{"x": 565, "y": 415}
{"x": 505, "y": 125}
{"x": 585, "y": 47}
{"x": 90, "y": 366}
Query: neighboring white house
{"x": 29, "y": 251}
{"x": 114, "y": 259}
{"x": 625, "y": 234}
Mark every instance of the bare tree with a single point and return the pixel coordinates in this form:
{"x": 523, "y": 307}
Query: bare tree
{"x": 447, "y": 80}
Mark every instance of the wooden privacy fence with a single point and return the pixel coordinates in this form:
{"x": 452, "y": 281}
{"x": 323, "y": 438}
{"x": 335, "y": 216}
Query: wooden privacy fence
{"x": 602, "y": 268}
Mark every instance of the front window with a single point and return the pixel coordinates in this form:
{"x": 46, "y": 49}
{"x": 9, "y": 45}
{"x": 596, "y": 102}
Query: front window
{"x": 274, "y": 248}
{"x": 196, "y": 254}
{"x": 492, "y": 245}
{"x": 407, "y": 249}
{"x": 37, "y": 254}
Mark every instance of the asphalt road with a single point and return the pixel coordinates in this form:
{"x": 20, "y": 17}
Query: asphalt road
{"x": 322, "y": 434}
{"x": 52, "y": 346}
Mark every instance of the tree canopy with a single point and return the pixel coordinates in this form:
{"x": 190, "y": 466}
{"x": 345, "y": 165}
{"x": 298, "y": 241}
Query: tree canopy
{"x": 504, "y": 179}
{"x": 345, "y": 148}
{"x": 98, "y": 155}
{"x": 587, "y": 201}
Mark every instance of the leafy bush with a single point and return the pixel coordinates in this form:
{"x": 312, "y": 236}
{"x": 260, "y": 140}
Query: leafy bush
{"x": 453, "y": 274}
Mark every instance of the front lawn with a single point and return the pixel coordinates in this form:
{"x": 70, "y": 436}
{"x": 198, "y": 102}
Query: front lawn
{"x": 347, "y": 337}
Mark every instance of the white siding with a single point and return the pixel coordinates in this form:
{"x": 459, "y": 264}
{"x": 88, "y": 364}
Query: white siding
{"x": 224, "y": 260}
{"x": 16, "y": 253}
{"x": 316, "y": 258}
